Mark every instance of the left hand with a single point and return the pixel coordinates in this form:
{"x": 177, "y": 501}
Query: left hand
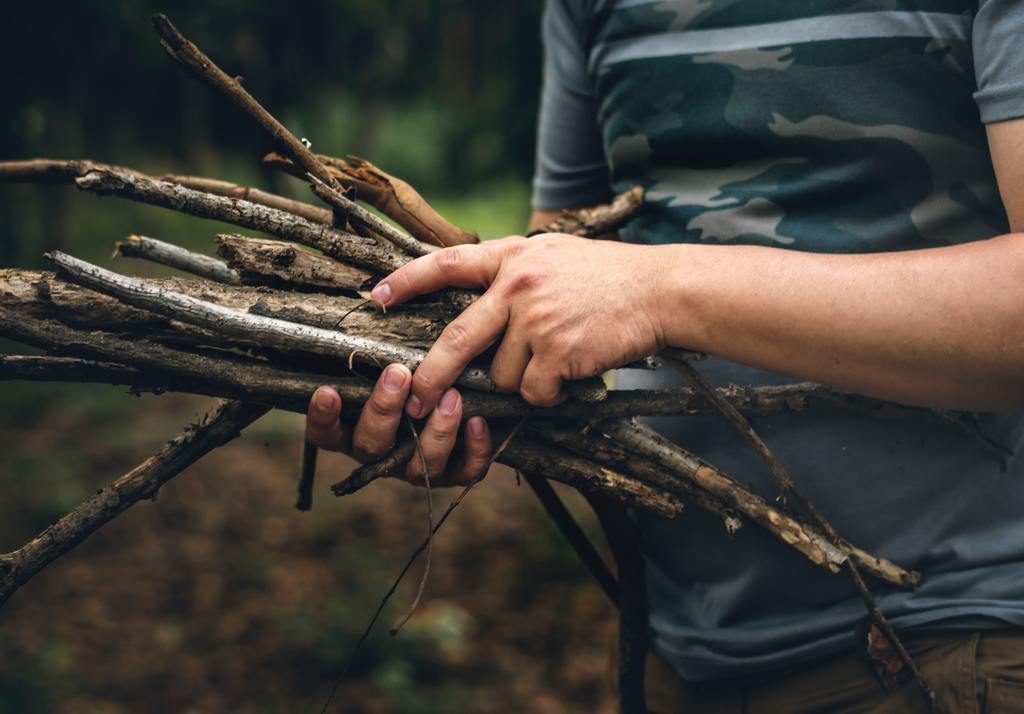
{"x": 564, "y": 308}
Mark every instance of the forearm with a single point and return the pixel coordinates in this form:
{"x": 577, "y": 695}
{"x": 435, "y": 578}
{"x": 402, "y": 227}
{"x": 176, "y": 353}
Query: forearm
{"x": 942, "y": 327}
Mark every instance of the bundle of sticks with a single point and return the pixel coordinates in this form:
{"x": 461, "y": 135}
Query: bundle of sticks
{"x": 270, "y": 320}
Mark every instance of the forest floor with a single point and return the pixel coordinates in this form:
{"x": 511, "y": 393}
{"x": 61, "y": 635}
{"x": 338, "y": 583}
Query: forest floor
{"x": 220, "y": 596}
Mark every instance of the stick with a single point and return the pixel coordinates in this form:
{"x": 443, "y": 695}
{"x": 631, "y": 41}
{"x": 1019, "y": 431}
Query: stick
{"x": 597, "y": 221}
{"x": 260, "y": 261}
{"x": 624, "y": 542}
{"x": 572, "y": 532}
{"x": 199, "y": 66}
{"x": 787, "y": 485}
{"x": 390, "y": 195}
{"x": 368, "y": 221}
{"x": 818, "y": 548}
{"x": 307, "y": 476}
{"x": 255, "y": 195}
{"x": 43, "y": 295}
{"x": 267, "y": 330}
{"x": 176, "y": 257}
{"x": 144, "y": 481}
{"x": 106, "y": 180}
{"x": 361, "y": 251}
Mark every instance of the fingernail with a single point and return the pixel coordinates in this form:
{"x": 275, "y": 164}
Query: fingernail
{"x": 324, "y": 400}
{"x": 394, "y": 379}
{"x": 449, "y": 402}
{"x": 381, "y": 294}
{"x": 414, "y": 407}
{"x": 476, "y": 426}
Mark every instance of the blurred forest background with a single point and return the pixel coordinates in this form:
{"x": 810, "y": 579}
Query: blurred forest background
{"x": 220, "y": 596}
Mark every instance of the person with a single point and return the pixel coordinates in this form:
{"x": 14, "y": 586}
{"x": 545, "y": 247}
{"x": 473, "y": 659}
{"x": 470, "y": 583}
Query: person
{"x": 832, "y": 190}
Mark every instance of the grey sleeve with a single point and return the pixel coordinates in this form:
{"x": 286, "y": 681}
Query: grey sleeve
{"x": 997, "y": 39}
{"x": 571, "y": 170}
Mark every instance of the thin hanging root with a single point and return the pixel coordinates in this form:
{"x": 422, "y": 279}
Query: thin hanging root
{"x": 416, "y": 554}
{"x": 400, "y": 623}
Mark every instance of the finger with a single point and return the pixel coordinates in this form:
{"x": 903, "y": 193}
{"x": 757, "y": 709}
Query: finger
{"x": 511, "y": 359}
{"x": 437, "y": 438}
{"x": 476, "y": 453}
{"x": 462, "y": 339}
{"x": 378, "y": 422}
{"x": 461, "y": 266}
{"x": 323, "y": 425}
{"x": 542, "y": 383}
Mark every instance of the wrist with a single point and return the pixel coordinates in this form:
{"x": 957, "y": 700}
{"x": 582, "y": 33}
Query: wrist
{"x": 682, "y": 276}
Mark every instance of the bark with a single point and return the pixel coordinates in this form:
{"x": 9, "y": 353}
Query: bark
{"x": 597, "y": 221}
{"x": 263, "y": 262}
{"x": 363, "y": 219}
{"x": 312, "y": 213}
{"x": 144, "y": 481}
{"x": 176, "y": 257}
{"x": 44, "y": 295}
{"x": 269, "y": 331}
{"x": 198, "y": 65}
{"x": 390, "y": 195}
{"x": 814, "y": 545}
{"x": 360, "y": 251}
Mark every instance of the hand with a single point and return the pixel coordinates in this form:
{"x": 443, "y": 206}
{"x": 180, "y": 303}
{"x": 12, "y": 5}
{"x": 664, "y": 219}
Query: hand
{"x": 375, "y": 431}
{"x": 564, "y": 308}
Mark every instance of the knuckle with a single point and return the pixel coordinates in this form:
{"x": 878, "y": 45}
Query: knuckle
{"x": 524, "y": 279}
{"x": 382, "y": 406}
{"x": 539, "y": 397}
{"x": 367, "y": 448}
{"x": 423, "y": 382}
{"x": 506, "y": 382}
{"x": 456, "y": 336}
{"x": 443, "y": 434}
{"x": 514, "y": 246}
{"x": 450, "y": 260}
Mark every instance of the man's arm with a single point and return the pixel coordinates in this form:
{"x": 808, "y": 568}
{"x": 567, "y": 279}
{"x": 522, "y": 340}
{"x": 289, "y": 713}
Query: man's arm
{"x": 942, "y": 327}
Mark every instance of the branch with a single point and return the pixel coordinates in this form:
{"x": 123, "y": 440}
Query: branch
{"x": 264, "y": 330}
{"x": 105, "y": 180}
{"x": 597, "y": 221}
{"x": 788, "y": 486}
{"x": 361, "y": 217}
{"x": 199, "y": 66}
{"x": 144, "y": 481}
{"x": 255, "y": 195}
{"x": 532, "y": 456}
{"x": 364, "y": 252}
{"x": 262, "y": 261}
{"x": 43, "y": 295}
{"x": 52, "y": 170}
{"x": 176, "y": 257}
{"x": 816, "y": 546}
{"x": 391, "y": 196}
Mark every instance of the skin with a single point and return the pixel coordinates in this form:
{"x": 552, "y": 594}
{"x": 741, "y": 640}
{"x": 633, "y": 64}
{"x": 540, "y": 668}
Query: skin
{"x": 942, "y": 327}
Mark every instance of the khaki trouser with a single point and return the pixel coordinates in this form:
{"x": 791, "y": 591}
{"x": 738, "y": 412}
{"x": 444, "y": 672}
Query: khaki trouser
{"x": 970, "y": 673}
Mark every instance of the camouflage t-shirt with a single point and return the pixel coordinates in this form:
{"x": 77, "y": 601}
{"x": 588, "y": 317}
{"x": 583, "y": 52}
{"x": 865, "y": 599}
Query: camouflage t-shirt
{"x": 822, "y": 125}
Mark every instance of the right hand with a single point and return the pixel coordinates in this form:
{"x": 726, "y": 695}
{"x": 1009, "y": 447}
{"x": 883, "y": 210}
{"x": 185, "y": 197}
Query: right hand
{"x": 376, "y": 430}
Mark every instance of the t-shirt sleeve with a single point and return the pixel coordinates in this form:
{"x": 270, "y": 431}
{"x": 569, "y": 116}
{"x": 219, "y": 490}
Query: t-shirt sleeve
{"x": 571, "y": 170}
{"x": 998, "y": 45}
